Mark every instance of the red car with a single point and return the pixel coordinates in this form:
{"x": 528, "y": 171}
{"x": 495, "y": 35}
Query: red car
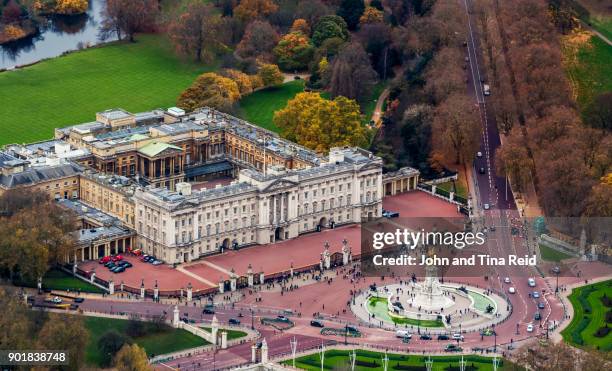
{"x": 104, "y": 260}
{"x": 117, "y": 258}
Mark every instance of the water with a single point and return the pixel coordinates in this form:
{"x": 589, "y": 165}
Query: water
{"x": 60, "y": 34}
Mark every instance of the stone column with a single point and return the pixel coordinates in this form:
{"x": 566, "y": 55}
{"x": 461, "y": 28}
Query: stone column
{"x": 221, "y": 286}
{"x": 121, "y": 285}
{"x": 253, "y": 353}
{"x": 175, "y": 317}
{"x": 264, "y": 351}
{"x": 74, "y": 267}
{"x": 223, "y": 339}
{"x": 92, "y": 278}
{"x": 111, "y": 287}
{"x": 451, "y": 196}
{"x": 189, "y": 292}
{"x": 214, "y": 329}
{"x": 250, "y": 275}
{"x": 346, "y": 252}
{"x": 233, "y": 280}
{"x": 433, "y": 189}
{"x": 261, "y": 278}
{"x": 291, "y": 270}
{"x": 142, "y": 290}
{"x": 156, "y": 292}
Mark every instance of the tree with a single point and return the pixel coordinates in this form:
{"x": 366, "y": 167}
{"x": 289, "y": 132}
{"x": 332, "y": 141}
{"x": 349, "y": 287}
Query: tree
{"x": 11, "y": 13}
{"x": 320, "y": 124}
{"x": 312, "y": 10}
{"x": 66, "y": 332}
{"x": 351, "y": 11}
{"x": 294, "y": 51}
{"x": 127, "y": 17}
{"x": 71, "y": 6}
{"x": 258, "y": 41}
{"x": 329, "y": 26}
{"x": 270, "y": 75}
{"x": 444, "y": 74}
{"x": 254, "y": 9}
{"x": 457, "y": 129}
{"x": 600, "y": 200}
{"x": 212, "y": 90}
{"x": 300, "y": 25}
{"x": 195, "y": 31}
{"x": 377, "y": 39}
{"x": 109, "y": 344}
{"x": 16, "y": 327}
{"x": 352, "y": 75}
{"x": 132, "y": 358}
{"x": 371, "y": 15}
{"x": 244, "y": 81}
{"x": 512, "y": 160}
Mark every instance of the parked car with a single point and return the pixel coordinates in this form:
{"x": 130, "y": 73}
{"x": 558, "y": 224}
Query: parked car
{"x": 530, "y": 327}
{"x": 531, "y": 282}
{"x": 233, "y": 321}
{"x": 457, "y": 336}
{"x": 512, "y": 290}
{"x": 425, "y": 337}
{"x": 535, "y": 294}
{"x": 443, "y": 337}
{"x": 282, "y": 318}
{"x": 145, "y": 258}
{"x": 541, "y": 305}
{"x": 104, "y": 260}
{"x": 125, "y": 264}
{"x": 208, "y": 311}
{"x": 118, "y": 269}
{"x": 79, "y": 300}
{"x": 452, "y": 348}
{"x": 403, "y": 334}
{"x": 390, "y": 214}
{"x": 110, "y": 265}
{"x": 537, "y": 316}
{"x": 156, "y": 262}
{"x": 507, "y": 280}
{"x": 316, "y": 323}
{"x": 117, "y": 258}
{"x": 57, "y": 300}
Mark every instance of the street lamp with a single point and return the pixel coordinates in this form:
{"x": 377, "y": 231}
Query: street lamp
{"x": 252, "y": 319}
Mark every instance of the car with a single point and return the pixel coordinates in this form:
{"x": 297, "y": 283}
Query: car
{"x": 118, "y": 269}
{"x": 530, "y": 327}
{"x": 487, "y": 206}
{"x": 486, "y": 89}
{"x": 208, "y": 311}
{"x": 282, "y": 318}
{"x": 479, "y": 154}
{"x": 390, "y": 214}
{"x": 316, "y": 323}
{"x": 57, "y": 300}
{"x": 233, "y": 321}
{"x": 104, "y": 260}
{"x": 425, "y": 337}
{"x": 403, "y": 334}
{"x": 79, "y": 300}
{"x": 126, "y": 264}
{"x": 145, "y": 257}
{"x": 511, "y": 290}
{"x": 531, "y": 282}
{"x": 537, "y": 316}
{"x": 352, "y": 329}
{"x": 443, "y": 337}
{"x": 541, "y": 305}
{"x": 156, "y": 262}
{"x": 535, "y": 294}
{"x": 507, "y": 280}
{"x": 452, "y": 348}
{"x": 482, "y": 170}
{"x": 117, "y": 258}
{"x": 457, "y": 336}
{"x": 110, "y": 265}
{"x": 556, "y": 269}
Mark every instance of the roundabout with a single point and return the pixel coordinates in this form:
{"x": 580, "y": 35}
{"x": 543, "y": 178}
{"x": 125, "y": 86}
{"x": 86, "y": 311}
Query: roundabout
{"x": 431, "y": 305}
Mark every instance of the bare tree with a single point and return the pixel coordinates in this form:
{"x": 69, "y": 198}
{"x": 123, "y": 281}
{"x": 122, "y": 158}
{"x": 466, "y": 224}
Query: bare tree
{"x": 195, "y": 31}
{"x": 352, "y": 75}
{"x": 127, "y": 17}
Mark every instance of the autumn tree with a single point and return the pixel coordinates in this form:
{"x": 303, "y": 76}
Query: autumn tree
{"x": 377, "y": 40}
{"x": 371, "y": 15}
{"x": 244, "y": 81}
{"x": 66, "y": 332}
{"x": 600, "y": 199}
{"x": 456, "y": 129}
{"x": 212, "y": 90}
{"x": 270, "y": 75}
{"x": 258, "y": 41}
{"x": 351, "y": 11}
{"x": 132, "y": 358}
{"x": 512, "y": 160}
{"x": 352, "y": 75}
{"x": 329, "y": 26}
{"x": 294, "y": 51}
{"x": 254, "y": 9}
{"x": 300, "y": 25}
{"x": 15, "y": 324}
{"x": 71, "y": 6}
{"x": 320, "y": 124}
{"x": 11, "y": 13}
{"x": 195, "y": 31}
{"x": 444, "y": 74}
{"x": 109, "y": 344}
{"x": 127, "y": 17}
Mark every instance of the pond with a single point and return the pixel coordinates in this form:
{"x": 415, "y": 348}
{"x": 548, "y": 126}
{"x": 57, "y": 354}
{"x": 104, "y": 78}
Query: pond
{"x": 58, "y": 35}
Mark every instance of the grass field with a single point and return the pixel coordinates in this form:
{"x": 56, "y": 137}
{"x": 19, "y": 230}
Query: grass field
{"x": 589, "y": 316}
{"x": 552, "y": 255}
{"x": 56, "y": 279}
{"x": 71, "y": 89}
{"x": 369, "y": 360}
{"x": 378, "y": 307}
{"x": 588, "y": 67}
{"x": 260, "y": 106}
{"x": 154, "y": 344}
{"x": 231, "y": 334}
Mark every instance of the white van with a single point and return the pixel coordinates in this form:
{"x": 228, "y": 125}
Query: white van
{"x": 403, "y": 334}
{"x": 486, "y": 89}
{"x": 531, "y": 282}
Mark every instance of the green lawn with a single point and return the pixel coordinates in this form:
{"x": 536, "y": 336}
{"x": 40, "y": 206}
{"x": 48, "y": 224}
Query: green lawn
{"x": 56, "y": 279}
{"x": 231, "y": 334}
{"x": 591, "y": 70}
{"x": 589, "y": 316}
{"x": 71, "y": 89}
{"x": 550, "y": 254}
{"x": 154, "y": 344}
{"x": 369, "y": 360}
{"x": 378, "y": 307}
{"x": 602, "y": 24}
{"x": 458, "y": 187}
{"x": 260, "y": 106}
